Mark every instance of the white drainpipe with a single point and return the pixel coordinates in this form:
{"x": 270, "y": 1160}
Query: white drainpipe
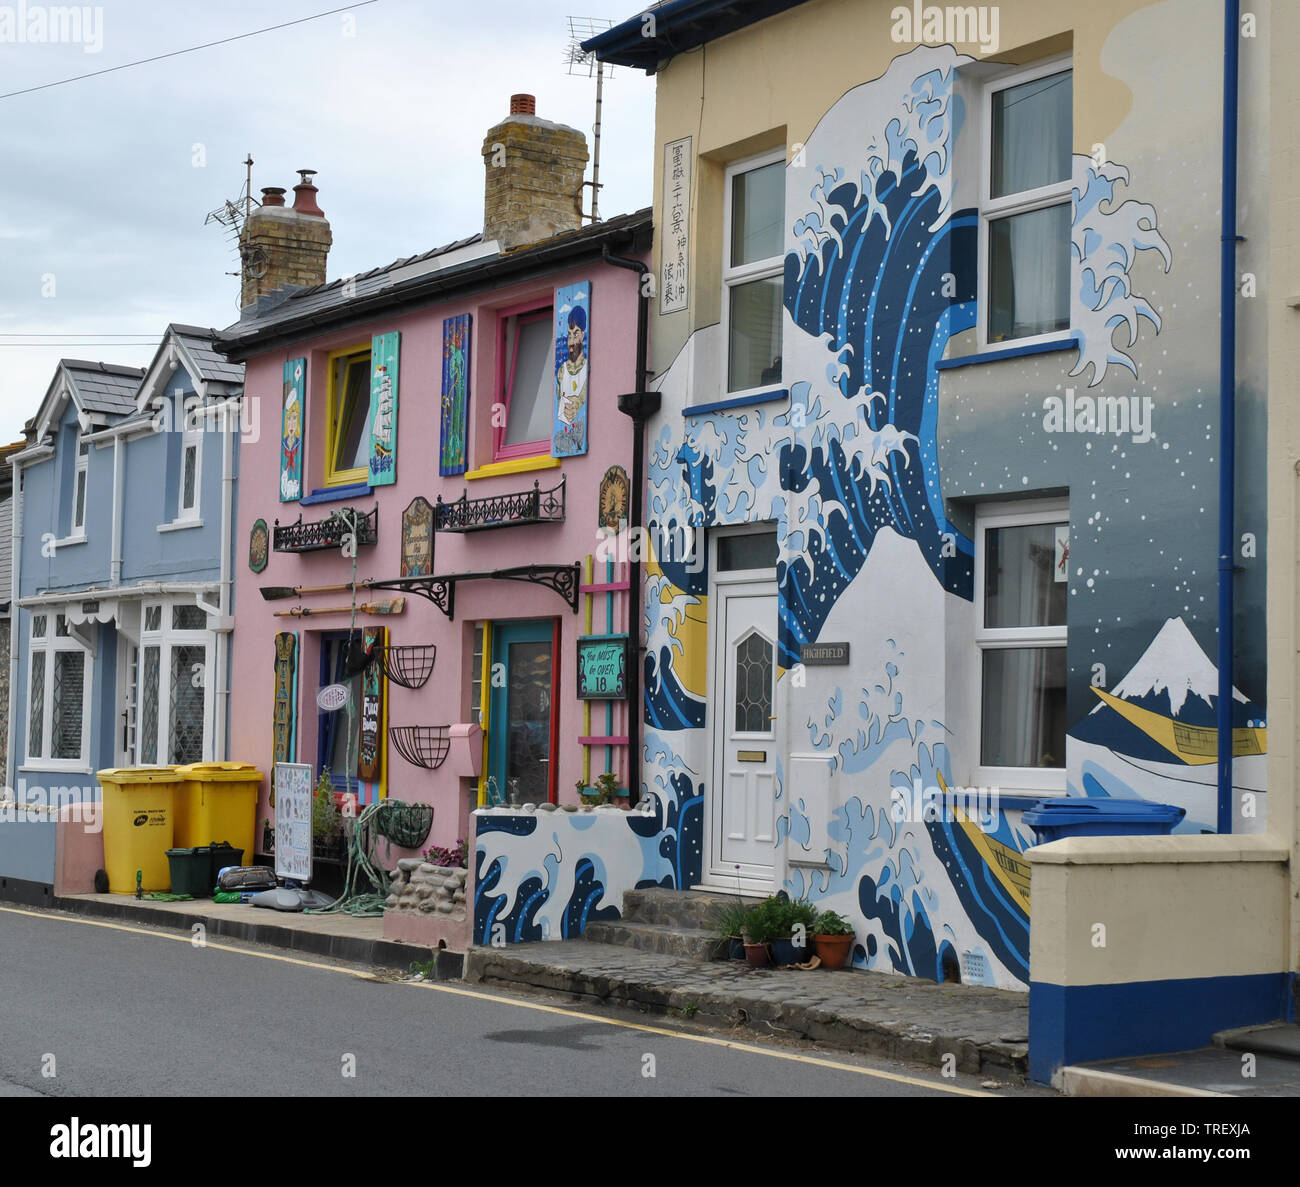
{"x": 16, "y": 544}
{"x": 115, "y": 571}
{"x": 225, "y": 597}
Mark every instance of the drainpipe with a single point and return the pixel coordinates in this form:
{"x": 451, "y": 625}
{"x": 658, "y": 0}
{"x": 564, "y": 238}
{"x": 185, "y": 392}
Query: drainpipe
{"x": 16, "y": 555}
{"x": 640, "y": 406}
{"x": 232, "y": 409}
{"x": 1228, "y": 241}
{"x": 115, "y": 569}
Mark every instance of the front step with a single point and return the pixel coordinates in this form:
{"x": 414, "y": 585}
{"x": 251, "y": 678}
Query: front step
{"x": 691, "y": 910}
{"x": 665, "y": 939}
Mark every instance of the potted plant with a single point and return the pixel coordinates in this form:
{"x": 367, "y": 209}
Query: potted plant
{"x": 609, "y": 788}
{"x": 762, "y": 922}
{"x": 326, "y": 829}
{"x": 794, "y": 920}
{"x": 833, "y": 939}
{"x": 729, "y": 924}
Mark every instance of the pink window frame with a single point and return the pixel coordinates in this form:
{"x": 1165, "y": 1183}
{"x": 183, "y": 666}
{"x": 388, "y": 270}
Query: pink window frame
{"x": 505, "y": 380}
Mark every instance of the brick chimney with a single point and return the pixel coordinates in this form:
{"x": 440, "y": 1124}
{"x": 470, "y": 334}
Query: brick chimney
{"x": 534, "y": 177}
{"x": 282, "y": 244}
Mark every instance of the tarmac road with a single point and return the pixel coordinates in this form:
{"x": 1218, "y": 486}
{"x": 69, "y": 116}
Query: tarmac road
{"x": 97, "y": 1009}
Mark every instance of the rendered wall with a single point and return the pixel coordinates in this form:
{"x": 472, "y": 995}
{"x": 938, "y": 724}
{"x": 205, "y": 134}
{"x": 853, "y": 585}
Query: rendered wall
{"x": 1206, "y": 952}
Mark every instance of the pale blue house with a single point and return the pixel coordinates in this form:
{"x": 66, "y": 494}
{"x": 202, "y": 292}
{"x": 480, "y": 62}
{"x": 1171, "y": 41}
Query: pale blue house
{"x": 122, "y": 585}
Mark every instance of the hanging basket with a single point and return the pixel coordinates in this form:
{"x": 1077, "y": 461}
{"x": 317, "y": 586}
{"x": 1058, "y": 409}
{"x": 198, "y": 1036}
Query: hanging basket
{"x": 421, "y": 745}
{"x": 409, "y": 666}
{"x": 406, "y": 825}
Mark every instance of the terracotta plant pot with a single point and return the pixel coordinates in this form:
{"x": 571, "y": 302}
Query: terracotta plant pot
{"x": 757, "y": 955}
{"x": 833, "y": 951}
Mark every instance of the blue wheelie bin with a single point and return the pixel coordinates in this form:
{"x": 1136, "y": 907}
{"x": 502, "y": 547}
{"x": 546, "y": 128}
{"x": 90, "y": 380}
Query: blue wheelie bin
{"x": 1080, "y": 816}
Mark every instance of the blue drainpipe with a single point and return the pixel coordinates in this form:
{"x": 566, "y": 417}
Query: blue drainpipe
{"x": 1227, "y": 406}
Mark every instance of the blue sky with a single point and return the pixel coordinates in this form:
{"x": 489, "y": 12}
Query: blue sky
{"x": 105, "y": 183}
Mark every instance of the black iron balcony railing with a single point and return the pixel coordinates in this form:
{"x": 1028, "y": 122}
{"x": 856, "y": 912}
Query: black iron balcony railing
{"x": 326, "y": 533}
{"x": 501, "y": 511}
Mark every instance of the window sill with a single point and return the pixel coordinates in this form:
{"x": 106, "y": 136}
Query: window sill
{"x": 760, "y": 397}
{"x": 996, "y": 354}
{"x": 68, "y": 541}
{"x": 520, "y": 465}
{"x": 335, "y": 494}
{"x": 180, "y": 525}
{"x": 65, "y": 767}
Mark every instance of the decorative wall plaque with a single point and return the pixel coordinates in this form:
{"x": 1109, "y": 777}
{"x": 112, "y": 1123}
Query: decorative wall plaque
{"x": 615, "y": 492}
{"x": 259, "y": 546}
{"x": 417, "y": 538}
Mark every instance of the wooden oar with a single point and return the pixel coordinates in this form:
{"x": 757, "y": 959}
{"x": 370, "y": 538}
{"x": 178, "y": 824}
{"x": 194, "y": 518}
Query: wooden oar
{"x": 388, "y": 606}
{"x": 277, "y": 593}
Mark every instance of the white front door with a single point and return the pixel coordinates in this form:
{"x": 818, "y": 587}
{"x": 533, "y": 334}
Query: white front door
{"x": 742, "y": 814}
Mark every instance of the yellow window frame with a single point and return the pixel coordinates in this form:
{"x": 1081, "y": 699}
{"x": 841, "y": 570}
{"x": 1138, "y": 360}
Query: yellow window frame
{"x": 340, "y": 361}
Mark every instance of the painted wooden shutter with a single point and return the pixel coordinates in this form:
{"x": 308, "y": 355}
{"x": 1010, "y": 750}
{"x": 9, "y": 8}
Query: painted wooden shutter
{"x": 384, "y": 351}
{"x": 572, "y": 312}
{"x": 453, "y": 455}
{"x": 370, "y": 761}
{"x": 284, "y": 721}
{"x": 292, "y": 425}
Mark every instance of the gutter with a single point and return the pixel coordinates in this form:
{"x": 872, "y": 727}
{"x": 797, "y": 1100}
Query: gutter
{"x": 474, "y": 276}
{"x": 640, "y": 405}
{"x": 1228, "y": 240}
{"x": 122, "y": 592}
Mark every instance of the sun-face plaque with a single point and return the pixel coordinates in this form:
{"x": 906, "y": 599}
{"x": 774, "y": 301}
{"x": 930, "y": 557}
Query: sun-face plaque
{"x": 615, "y": 492}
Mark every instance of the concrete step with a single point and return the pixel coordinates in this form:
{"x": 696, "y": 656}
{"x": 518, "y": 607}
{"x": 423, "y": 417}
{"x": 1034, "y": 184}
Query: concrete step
{"x": 663, "y": 938}
{"x": 983, "y": 1030}
{"x": 691, "y": 909}
{"x": 1280, "y": 1039}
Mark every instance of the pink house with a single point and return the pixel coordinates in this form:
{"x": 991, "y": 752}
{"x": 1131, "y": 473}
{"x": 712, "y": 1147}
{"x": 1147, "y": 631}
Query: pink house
{"x": 441, "y": 466}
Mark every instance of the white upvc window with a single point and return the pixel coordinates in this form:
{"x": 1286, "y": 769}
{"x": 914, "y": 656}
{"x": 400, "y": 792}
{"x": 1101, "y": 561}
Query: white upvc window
{"x": 80, "y": 478}
{"x": 58, "y": 702}
{"x": 175, "y": 682}
{"x": 753, "y": 265}
{"x": 1025, "y": 206}
{"x": 191, "y": 465}
{"x": 1021, "y": 594}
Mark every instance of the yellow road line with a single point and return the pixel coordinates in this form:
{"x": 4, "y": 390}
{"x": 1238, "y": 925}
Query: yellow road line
{"x": 366, "y": 975}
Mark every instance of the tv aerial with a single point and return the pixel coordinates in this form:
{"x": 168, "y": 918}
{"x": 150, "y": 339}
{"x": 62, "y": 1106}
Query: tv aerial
{"x": 233, "y": 215}
{"x": 583, "y": 28}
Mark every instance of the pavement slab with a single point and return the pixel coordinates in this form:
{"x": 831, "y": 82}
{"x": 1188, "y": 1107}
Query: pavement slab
{"x": 906, "y": 1018}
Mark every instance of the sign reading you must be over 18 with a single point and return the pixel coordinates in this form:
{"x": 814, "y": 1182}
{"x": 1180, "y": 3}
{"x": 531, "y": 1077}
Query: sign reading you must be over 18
{"x": 602, "y": 667}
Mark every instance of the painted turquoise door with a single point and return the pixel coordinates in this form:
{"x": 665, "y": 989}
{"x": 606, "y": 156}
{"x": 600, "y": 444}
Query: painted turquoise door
{"x": 519, "y": 737}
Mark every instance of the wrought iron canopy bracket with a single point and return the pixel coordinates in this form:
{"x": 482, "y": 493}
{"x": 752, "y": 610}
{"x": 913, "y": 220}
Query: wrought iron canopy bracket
{"x": 441, "y": 591}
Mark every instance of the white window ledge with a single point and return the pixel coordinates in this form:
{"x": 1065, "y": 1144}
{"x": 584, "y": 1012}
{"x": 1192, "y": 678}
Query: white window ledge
{"x": 68, "y": 541}
{"x": 54, "y": 766}
{"x": 180, "y": 525}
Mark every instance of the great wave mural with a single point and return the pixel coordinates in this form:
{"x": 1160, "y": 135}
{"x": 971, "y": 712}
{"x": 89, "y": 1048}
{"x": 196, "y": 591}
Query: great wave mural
{"x": 857, "y": 469}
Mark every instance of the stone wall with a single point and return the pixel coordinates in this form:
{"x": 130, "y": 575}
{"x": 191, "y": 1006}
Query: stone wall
{"x": 427, "y": 905}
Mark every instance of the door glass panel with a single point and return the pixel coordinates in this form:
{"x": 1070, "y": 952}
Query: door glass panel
{"x": 69, "y": 676}
{"x": 753, "y": 685}
{"x": 185, "y": 724}
{"x": 528, "y": 726}
{"x": 753, "y": 550}
{"x": 149, "y": 707}
{"x": 36, "y": 706}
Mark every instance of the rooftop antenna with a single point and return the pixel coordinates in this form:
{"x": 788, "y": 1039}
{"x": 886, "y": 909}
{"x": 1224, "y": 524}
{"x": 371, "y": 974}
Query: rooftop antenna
{"x": 583, "y": 28}
{"x": 234, "y": 214}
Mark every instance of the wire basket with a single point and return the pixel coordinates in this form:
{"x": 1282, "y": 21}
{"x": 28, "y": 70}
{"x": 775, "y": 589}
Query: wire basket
{"x": 406, "y": 825}
{"x": 422, "y": 745}
{"x": 410, "y": 666}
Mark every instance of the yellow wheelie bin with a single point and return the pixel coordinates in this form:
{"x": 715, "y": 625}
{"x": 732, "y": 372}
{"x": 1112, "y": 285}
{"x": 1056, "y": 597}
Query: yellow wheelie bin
{"x": 138, "y": 822}
{"x": 215, "y": 802}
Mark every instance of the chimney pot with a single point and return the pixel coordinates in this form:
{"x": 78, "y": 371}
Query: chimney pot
{"x": 523, "y": 104}
{"x": 273, "y": 196}
{"x": 304, "y": 195}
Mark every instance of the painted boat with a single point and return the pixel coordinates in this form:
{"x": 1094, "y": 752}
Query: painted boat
{"x": 1195, "y": 745}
